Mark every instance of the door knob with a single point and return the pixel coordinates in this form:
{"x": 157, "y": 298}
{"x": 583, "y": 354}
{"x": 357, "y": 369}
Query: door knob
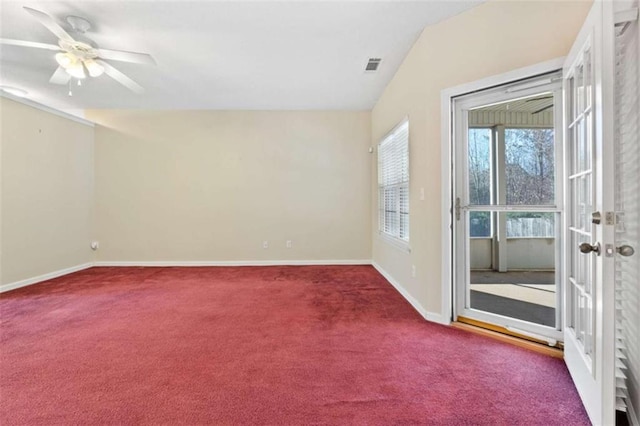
{"x": 625, "y": 250}
{"x": 588, "y": 248}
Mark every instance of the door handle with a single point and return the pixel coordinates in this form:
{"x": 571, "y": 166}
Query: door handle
{"x": 589, "y": 248}
{"x": 625, "y": 250}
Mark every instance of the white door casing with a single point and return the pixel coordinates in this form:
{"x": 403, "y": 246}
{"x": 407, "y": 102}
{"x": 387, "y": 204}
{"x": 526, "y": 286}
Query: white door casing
{"x": 589, "y": 304}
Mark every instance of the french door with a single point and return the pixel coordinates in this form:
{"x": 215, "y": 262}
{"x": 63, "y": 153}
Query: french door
{"x": 589, "y": 333}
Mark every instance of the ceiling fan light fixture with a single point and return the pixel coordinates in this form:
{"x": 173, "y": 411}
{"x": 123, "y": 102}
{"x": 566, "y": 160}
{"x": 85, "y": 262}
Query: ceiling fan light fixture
{"x": 64, "y": 59}
{"x": 76, "y": 70}
{"x": 94, "y": 68}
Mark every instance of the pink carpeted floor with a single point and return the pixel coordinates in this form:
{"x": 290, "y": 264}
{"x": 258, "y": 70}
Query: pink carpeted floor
{"x": 258, "y": 345}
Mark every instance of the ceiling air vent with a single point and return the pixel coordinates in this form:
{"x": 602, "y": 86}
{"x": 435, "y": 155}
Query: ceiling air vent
{"x": 373, "y": 64}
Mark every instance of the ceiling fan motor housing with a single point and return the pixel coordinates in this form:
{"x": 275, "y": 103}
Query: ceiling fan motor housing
{"x": 79, "y": 49}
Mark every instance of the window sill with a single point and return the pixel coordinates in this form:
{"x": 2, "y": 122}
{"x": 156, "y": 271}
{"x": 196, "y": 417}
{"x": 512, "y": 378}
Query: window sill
{"x": 394, "y": 242}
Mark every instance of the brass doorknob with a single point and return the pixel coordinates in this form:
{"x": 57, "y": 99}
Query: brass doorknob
{"x": 590, "y": 248}
{"x": 625, "y": 250}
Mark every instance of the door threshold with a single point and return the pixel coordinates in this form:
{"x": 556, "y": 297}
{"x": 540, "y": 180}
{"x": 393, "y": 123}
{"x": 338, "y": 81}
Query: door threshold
{"x": 507, "y": 336}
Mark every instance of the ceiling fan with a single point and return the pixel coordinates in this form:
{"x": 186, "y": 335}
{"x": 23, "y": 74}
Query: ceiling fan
{"x": 78, "y": 56}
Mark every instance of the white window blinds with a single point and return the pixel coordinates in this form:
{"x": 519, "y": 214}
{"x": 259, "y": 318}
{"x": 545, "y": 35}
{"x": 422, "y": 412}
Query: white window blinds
{"x": 627, "y": 276}
{"x": 393, "y": 183}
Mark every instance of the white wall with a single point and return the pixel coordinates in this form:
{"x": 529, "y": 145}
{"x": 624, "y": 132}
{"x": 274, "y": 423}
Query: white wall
{"x": 490, "y": 39}
{"x": 522, "y": 253}
{"x": 481, "y": 253}
{"x": 211, "y": 186}
{"x": 47, "y": 192}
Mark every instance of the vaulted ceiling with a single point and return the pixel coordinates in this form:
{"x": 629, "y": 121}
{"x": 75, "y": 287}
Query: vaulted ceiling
{"x": 224, "y": 54}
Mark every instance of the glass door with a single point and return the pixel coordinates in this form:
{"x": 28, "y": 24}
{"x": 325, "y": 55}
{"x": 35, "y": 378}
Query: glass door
{"x": 508, "y": 217}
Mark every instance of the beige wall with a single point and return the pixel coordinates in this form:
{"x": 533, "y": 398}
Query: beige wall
{"x": 212, "y": 186}
{"x": 47, "y": 192}
{"x": 490, "y": 39}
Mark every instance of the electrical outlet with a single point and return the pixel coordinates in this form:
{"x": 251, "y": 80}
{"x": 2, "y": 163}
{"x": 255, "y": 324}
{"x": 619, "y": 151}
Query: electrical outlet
{"x": 413, "y": 271}
{"x": 265, "y": 244}
{"x": 422, "y": 194}
{"x": 289, "y": 244}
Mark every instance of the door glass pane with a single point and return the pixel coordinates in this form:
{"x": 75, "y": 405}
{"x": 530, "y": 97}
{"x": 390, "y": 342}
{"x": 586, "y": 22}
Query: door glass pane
{"x": 480, "y": 172}
{"x": 579, "y": 100}
{"x": 480, "y": 224}
{"x": 581, "y": 145}
{"x": 570, "y": 98}
{"x": 587, "y": 79}
{"x": 588, "y": 138}
{"x": 530, "y": 174}
{"x": 513, "y": 271}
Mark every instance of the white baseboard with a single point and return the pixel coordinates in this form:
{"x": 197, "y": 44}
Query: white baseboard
{"x": 440, "y": 319}
{"x": 44, "y": 277}
{"x": 429, "y": 316}
{"x": 233, "y": 262}
{"x": 416, "y": 305}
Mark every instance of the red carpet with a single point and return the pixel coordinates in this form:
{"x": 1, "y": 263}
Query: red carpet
{"x": 258, "y": 345}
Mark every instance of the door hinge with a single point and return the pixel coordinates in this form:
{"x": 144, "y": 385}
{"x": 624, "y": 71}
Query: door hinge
{"x": 457, "y": 208}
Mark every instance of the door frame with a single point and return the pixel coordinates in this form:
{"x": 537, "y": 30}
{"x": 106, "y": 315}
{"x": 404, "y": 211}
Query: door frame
{"x": 447, "y": 160}
{"x": 461, "y": 307}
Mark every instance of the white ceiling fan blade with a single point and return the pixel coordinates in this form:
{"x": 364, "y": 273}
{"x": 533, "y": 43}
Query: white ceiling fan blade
{"x": 123, "y": 56}
{"x": 60, "y": 76}
{"x": 121, "y": 78}
{"x": 51, "y": 24}
{"x": 25, "y": 43}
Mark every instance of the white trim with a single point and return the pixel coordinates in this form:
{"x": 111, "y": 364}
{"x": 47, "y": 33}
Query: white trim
{"x": 446, "y": 273}
{"x": 392, "y": 241}
{"x": 48, "y": 109}
{"x": 429, "y": 316}
{"x": 404, "y": 121}
{"x": 625, "y": 16}
{"x": 508, "y": 77}
{"x": 44, "y": 277}
{"x": 188, "y": 263}
{"x": 437, "y": 318}
{"x": 446, "y": 97}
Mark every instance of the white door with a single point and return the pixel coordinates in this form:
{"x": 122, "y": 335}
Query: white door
{"x": 508, "y": 148}
{"x": 589, "y": 306}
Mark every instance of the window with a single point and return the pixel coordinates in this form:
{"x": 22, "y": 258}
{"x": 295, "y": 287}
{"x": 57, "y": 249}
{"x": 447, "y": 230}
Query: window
{"x": 480, "y": 167}
{"x": 530, "y": 162}
{"x": 527, "y": 173}
{"x": 480, "y": 181}
{"x": 393, "y": 183}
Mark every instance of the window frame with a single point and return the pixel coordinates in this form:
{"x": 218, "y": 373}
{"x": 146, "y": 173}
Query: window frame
{"x": 395, "y": 238}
